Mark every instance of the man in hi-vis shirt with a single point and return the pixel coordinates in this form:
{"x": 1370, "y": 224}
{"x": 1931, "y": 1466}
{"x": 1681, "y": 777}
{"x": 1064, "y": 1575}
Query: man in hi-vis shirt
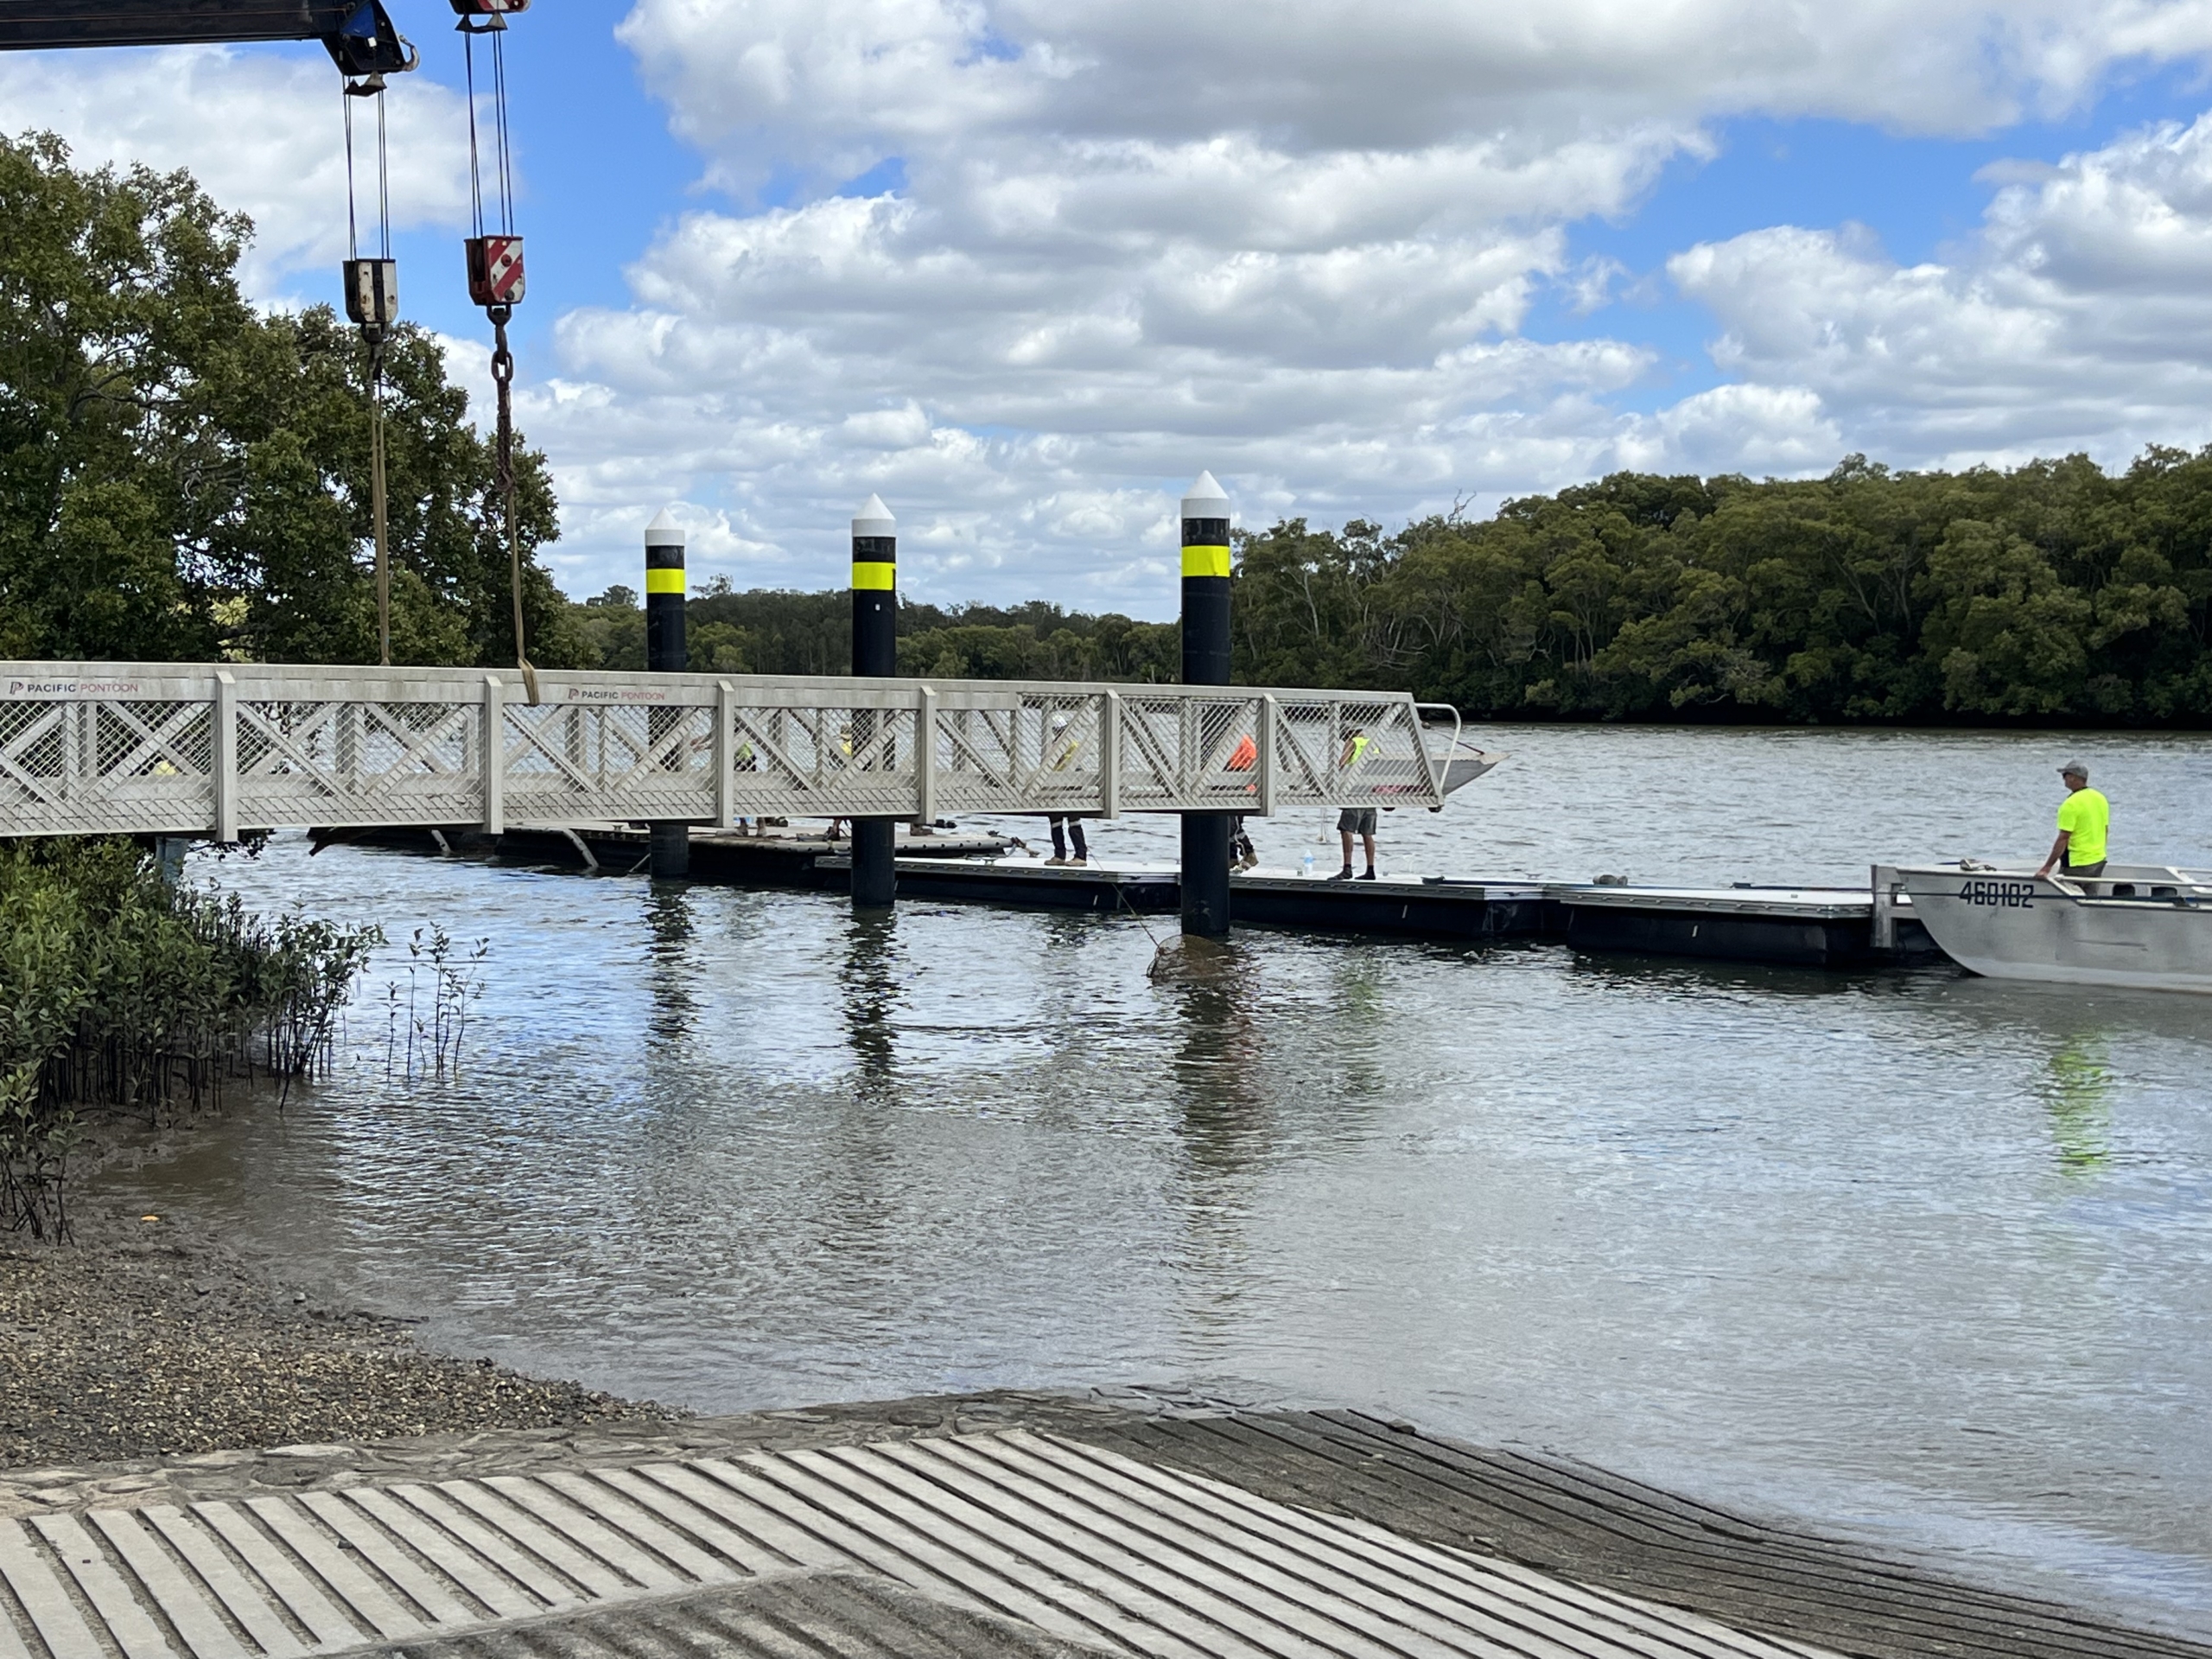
{"x": 2084, "y": 819}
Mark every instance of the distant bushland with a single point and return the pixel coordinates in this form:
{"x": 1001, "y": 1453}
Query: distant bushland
{"x": 2051, "y": 593}
{"x": 184, "y": 477}
{"x": 774, "y": 631}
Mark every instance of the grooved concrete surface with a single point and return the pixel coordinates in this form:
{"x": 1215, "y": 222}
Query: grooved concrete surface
{"x": 1588, "y": 1524}
{"x": 1014, "y": 1542}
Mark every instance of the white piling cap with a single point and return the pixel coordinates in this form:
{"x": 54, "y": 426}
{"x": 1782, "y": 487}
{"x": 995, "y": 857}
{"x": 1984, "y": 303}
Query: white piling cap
{"x": 1205, "y": 499}
{"x": 664, "y": 531}
{"x": 874, "y": 518}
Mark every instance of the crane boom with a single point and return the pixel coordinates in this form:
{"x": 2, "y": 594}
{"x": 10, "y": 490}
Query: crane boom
{"x": 359, "y": 34}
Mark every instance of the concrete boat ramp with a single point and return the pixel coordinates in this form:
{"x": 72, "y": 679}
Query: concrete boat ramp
{"x": 1016, "y": 1524}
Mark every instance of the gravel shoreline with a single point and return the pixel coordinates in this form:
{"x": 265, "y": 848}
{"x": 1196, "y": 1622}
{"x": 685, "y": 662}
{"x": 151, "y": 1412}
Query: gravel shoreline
{"x": 150, "y": 1337}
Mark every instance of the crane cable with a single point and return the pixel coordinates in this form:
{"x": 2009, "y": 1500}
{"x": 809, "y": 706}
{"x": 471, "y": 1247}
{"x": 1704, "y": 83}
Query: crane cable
{"x": 495, "y": 283}
{"x": 375, "y": 326}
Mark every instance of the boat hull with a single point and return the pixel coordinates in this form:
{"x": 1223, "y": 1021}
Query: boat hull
{"x": 2142, "y": 927}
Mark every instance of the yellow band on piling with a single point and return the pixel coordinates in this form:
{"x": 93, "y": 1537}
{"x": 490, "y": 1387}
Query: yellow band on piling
{"x": 663, "y": 581}
{"x": 1205, "y": 560}
{"x": 875, "y": 576}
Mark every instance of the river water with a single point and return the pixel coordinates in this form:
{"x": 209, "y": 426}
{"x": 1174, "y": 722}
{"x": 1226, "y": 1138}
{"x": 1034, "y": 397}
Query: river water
{"x": 1915, "y": 1256}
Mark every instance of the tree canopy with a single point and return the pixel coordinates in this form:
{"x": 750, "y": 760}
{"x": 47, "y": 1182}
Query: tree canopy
{"x": 2050, "y": 591}
{"x": 183, "y": 476}
{"x": 774, "y": 631}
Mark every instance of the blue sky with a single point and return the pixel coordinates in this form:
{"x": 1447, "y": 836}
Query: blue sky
{"x": 1023, "y": 268}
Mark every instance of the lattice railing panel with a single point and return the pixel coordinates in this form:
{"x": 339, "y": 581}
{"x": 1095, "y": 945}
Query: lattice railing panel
{"x": 126, "y": 765}
{"x": 359, "y": 763}
{"x": 99, "y": 748}
{"x": 1038, "y": 753}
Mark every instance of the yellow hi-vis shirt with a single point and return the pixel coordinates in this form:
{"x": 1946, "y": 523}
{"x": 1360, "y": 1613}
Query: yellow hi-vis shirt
{"x": 2085, "y": 815}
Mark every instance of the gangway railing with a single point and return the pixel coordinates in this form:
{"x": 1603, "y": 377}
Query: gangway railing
{"x": 220, "y": 750}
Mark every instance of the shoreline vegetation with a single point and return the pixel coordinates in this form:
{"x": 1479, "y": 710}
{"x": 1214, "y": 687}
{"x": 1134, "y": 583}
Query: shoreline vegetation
{"x": 125, "y": 994}
{"x": 128, "y": 1005}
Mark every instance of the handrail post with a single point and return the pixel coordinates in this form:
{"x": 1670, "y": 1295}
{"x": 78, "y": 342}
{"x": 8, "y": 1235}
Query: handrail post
{"x": 925, "y": 755}
{"x": 1881, "y": 919}
{"x": 1439, "y": 771}
{"x": 1264, "y": 761}
{"x": 725, "y": 754}
{"x": 223, "y": 756}
{"x": 1110, "y": 756}
{"x": 493, "y": 748}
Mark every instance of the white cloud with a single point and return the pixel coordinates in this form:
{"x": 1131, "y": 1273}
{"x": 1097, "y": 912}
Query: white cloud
{"x": 2080, "y": 317}
{"x": 823, "y": 79}
{"x": 1299, "y": 244}
{"x": 260, "y": 132}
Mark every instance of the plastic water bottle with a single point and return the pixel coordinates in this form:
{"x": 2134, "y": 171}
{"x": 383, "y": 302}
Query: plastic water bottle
{"x": 1308, "y": 867}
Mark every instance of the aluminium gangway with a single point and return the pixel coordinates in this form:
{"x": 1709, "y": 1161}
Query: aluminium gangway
{"x": 224, "y": 749}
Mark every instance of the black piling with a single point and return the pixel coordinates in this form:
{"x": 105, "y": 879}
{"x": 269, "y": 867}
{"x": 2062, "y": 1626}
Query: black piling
{"x": 875, "y": 654}
{"x": 1206, "y": 662}
{"x": 665, "y": 654}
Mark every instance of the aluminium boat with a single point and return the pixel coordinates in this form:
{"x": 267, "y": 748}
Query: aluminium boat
{"x": 2145, "y": 925}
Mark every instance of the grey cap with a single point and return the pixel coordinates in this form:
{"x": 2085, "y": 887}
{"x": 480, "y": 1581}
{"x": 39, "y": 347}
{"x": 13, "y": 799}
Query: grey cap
{"x": 2074, "y": 769}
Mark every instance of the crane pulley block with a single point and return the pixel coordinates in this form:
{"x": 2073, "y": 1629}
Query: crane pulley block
{"x": 494, "y": 14}
{"x": 367, "y": 47}
{"x": 494, "y": 269}
{"x": 372, "y": 293}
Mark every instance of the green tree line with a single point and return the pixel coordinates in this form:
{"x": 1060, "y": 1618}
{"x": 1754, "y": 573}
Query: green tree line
{"x": 2052, "y": 591}
{"x": 770, "y": 631}
{"x": 183, "y": 476}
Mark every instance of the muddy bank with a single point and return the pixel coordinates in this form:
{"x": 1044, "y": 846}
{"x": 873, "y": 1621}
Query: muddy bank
{"x": 151, "y": 1338}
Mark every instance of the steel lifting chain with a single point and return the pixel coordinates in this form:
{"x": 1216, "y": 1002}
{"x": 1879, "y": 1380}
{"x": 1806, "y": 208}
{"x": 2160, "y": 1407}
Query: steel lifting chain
{"x": 503, "y": 377}
{"x": 495, "y": 277}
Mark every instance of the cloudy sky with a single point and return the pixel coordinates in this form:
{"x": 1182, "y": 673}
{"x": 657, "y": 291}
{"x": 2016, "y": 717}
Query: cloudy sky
{"x": 1024, "y": 266}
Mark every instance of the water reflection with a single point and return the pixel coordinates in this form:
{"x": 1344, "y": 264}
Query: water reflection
{"x": 673, "y": 974}
{"x": 2078, "y": 1090}
{"x": 1362, "y": 1014}
{"x": 868, "y": 986}
{"x": 1218, "y": 1065}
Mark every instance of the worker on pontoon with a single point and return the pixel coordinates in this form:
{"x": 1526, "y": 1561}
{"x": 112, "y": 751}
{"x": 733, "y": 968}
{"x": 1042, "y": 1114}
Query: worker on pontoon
{"x": 1355, "y": 820}
{"x": 2084, "y": 819}
{"x": 1242, "y": 854}
{"x": 1065, "y": 826}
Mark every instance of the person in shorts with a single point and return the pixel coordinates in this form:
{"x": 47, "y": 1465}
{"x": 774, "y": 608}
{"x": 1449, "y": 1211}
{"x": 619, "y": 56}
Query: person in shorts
{"x": 1356, "y": 820}
{"x": 1065, "y": 826}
